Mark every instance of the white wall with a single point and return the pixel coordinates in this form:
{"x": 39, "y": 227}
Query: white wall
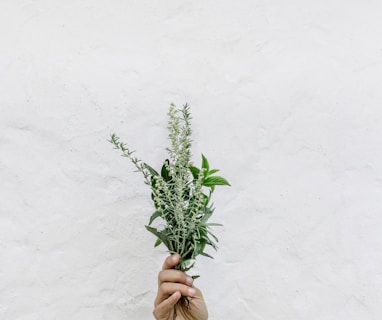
{"x": 286, "y": 101}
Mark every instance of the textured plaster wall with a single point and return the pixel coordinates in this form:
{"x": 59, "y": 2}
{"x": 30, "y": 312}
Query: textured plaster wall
{"x": 286, "y": 100}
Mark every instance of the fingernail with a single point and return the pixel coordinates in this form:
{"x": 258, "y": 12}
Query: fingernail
{"x": 191, "y": 292}
{"x": 189, "y": 281}
{"x": 175, "y": 258}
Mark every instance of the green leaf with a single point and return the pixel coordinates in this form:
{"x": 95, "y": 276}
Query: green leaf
{"x": 150, "y": 169}
{"x": 199, "y": 246}
{"x": 215, "y": 181}
{"x": 195, "y": 172}
{"x": 203, "y": 230}
{"x": 206, "y": 255}
{"x": 164, "y": 172}
{"x": 153, "y": 186}
{"x": 213, "y": 236}
{"x": 155, "y": 215}
{"x": 154, "y": 231}
{"x": 157, "y": 243}
{"x": 205, "y": 164}
{"x": 185, "y": 264}
{"x": 214, "y": 224}
{"x": 160, "y": 234}
{"x": 207, "y": 214}
{"x": 212, "y": 171}
{"x": 206, "y": 199}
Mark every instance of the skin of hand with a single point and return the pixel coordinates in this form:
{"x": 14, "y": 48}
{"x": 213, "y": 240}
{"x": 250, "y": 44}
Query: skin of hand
{"x": 172, "y": 285}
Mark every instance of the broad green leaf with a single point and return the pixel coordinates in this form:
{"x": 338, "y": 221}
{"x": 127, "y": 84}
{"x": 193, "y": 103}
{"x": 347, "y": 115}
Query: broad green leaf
{"x": 215, "y": 181}
{"x": 212, "y": 171}
{"x": 205, "y": 164}
{"x": 195, "y": 172}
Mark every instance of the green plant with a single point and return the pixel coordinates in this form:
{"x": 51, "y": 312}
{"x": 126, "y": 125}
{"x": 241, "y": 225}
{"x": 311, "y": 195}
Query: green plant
{"x": 181, "y": 193}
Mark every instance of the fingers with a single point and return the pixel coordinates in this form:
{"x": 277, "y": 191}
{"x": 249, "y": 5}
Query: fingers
{"x": 172, "y": 284}
{"x": 166, "y": 306}
{"x": 174, "y": 276}
{"x": 171, "y": 261}
{"x": 171, "y": 281}
{"x": 168, "y": 288}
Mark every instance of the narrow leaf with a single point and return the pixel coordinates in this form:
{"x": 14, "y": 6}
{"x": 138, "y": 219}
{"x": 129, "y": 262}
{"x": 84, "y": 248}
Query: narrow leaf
{"x": 155, "y": 215}
{"x": 150, "y": 169}
{"x": 206, "y": 199}
{"x": 164, "y": 172}
{"x": 213, "y": 236}
{"x": 158, "y": 242}
{"x": 207, "y": 215}
{"x": 206, "y": 255}
{"x": 159, "y": 234}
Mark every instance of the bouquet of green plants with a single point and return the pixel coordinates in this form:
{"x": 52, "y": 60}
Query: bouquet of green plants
{"x": 181, "y": 193}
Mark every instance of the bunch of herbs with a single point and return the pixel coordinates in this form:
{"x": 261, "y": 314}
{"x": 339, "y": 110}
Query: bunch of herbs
{"x": 181, "y": 193}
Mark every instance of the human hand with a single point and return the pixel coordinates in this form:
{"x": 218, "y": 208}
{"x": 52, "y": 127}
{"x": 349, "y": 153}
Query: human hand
{"x": 173, "y": 287}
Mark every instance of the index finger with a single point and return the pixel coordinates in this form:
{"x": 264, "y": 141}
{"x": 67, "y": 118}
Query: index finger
{"x": 171, "y": 261}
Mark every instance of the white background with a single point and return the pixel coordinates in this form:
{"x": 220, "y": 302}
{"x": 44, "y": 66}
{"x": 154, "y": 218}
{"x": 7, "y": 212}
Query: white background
{"x": 286, "y": 101}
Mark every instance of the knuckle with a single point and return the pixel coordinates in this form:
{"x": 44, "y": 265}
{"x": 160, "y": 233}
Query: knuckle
{"x": 165, "y": 287}
{"x": 160, "y": 276}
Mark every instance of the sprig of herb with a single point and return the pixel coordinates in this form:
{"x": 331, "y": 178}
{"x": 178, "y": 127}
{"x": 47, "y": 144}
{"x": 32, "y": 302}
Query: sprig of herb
{"x": 181, "y": 193}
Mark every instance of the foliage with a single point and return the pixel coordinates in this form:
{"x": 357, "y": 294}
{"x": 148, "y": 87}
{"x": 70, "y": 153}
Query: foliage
{"x": 181, "y": 193}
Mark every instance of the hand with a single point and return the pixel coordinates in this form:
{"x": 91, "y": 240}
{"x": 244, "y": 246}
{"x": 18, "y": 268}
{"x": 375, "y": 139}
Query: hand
{"x": 173, "y": 287}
